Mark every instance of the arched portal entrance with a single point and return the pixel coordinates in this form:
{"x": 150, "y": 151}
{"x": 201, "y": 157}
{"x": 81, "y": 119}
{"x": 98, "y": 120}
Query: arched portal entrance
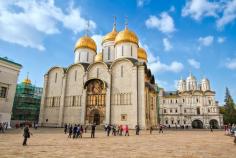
{"x": 197, "y": 124}
{"x": 95, "y": 101}
{"x": 214, "y": 123}
{"x": 94, "y": 117}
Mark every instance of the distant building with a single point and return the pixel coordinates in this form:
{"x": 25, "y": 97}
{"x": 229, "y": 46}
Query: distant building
{"x": 26, "y": 105}
{"x": 9, "y": 72}
{"x": 192, "y": 105}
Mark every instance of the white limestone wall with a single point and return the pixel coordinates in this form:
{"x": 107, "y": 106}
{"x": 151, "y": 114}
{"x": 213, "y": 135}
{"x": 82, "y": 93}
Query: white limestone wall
{"x": 74, "y": 84}
{"x": 74, "y": 88}
{"x": 54, "y": 89}
{"x": 121, "y": 85}
{"x": 141, "y": 96}
{"x": 108, "y": 51}
{"x": 126, "y": 47}
{"x": 84, "y": 55}
{"x": 8, "y": 78}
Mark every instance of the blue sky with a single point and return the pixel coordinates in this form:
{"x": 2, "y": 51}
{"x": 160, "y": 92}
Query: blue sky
{"x": 180, "y": 36}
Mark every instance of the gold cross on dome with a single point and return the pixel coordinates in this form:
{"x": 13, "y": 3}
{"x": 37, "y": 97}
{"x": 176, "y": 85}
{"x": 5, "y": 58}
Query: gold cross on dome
{"x": 114, "y": 24}
{"x": 126, "y": 22}
{"x": 87, "y": 29}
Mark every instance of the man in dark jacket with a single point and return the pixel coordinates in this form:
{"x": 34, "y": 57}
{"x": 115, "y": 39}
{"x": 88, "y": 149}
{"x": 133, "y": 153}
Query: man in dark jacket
{"x": 137, "y": 129}
{"x": 108, "y": 130}
{"x": 93, "y": 131}
{"x": 26, "y": 135}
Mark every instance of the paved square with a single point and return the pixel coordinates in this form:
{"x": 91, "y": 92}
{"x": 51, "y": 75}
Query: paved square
{"x": 53, "y": 143}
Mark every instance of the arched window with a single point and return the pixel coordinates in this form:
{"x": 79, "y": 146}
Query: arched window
{"x": 108, "y": 57}
{"x": 131, "y": 50}
{"x": 122, "y": 51}
{"x": 56, "y": 78}
{"x": 87, "y": 56}
{"x": 198, "y": 111}
{"x": 121, "y": 71}
{"x": 97, "y": 72}
{"x": 79, "y": 56}
{"x": 75, "y": 75}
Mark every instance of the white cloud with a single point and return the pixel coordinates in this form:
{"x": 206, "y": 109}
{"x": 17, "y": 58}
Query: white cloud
{"x": 231, "y": 64}
{"x": 221, "y": 39}
{"x": 224, "y": 11}
{"x": 164, "y": 23}
{"x": 206, "y": 41}
{"x": 141, "y": 3}
{"x": 229, "y": 14}
{"x": 174, "y": 66}
{"x": 27, "y": 22}
{"x": 98, "y": 40}
{"x": 194, "y": 63}
{"x": 155, "y": 64}
{"x": 197, "y": 9}
{"x": 167, "y": 44}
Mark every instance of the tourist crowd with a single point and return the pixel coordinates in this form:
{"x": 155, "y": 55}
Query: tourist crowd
{"x": 77, "y": 130}
{"x": 3, "y": 126}
{"x": 230, "y": 130}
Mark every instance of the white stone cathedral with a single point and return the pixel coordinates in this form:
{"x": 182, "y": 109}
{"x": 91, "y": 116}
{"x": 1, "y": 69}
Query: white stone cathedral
{"x": 110, "y": 87}
{"x": 193, "y": 105}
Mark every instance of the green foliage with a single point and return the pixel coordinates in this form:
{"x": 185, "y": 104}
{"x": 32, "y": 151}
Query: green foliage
{"x": 229, "y": 111}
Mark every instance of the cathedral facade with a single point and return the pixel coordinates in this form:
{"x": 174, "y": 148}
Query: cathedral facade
{"x": 110, "y": 87}
{"x": 193, "y": 105}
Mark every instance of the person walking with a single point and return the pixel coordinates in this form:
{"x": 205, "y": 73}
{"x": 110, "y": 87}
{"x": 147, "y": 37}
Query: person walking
{"x": 93, "y": 130}
{"x": 26, "y": 135}
{"x": 137, "y": 129}
{"x": 160, "y": 129}
{"x": 126, "y": 130}
{"x": 78, "y": 132}
{"x": 74, "y": 131}
{"x": 108, "y": 130}
{"x": 114, "y": 130}
{"x": 211, "y": 128}
{"x": 65, "y": 128}
{"x": 121, "y": 130}
{"x": 70, "y": 131}
{"x": 151, "y": 129}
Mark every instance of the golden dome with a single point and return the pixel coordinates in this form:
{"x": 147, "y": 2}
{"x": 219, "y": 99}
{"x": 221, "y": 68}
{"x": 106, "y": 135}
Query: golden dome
{"x": 110, "y": 36}
{"x": 86, "y": 42}
{"x": 126, "y": 36}
{"x": 142, "y": 54}
{"x": 27, "y": 81}
{"x": 98, "y": 57}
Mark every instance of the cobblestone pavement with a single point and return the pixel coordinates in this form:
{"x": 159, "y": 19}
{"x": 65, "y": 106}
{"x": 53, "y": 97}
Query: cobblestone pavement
{"x": 48, "y": 143}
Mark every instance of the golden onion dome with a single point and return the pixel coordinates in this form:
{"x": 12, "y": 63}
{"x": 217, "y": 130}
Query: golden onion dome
{"x": 98, "y": 57}
{"x": 142, "y": 54}
{"x": 126, "y": 36}
{"x": 27, "y": 81}
{"x": 110, "y": 36}
{"x": 86, "y": 42}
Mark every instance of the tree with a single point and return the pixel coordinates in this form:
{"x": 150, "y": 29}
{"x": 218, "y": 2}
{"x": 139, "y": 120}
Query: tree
{"x": 229, "y": 114}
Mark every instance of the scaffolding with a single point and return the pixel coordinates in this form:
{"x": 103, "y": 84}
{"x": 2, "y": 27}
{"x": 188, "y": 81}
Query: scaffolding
{"x": 26, "y": 104}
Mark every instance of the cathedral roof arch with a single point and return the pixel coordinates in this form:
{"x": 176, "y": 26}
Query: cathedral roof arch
{"x": 130, "y": 60}
{"x": 96, "y": 63}
{"x": 73, "y": 65}
{"x": 56, "y": 67}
